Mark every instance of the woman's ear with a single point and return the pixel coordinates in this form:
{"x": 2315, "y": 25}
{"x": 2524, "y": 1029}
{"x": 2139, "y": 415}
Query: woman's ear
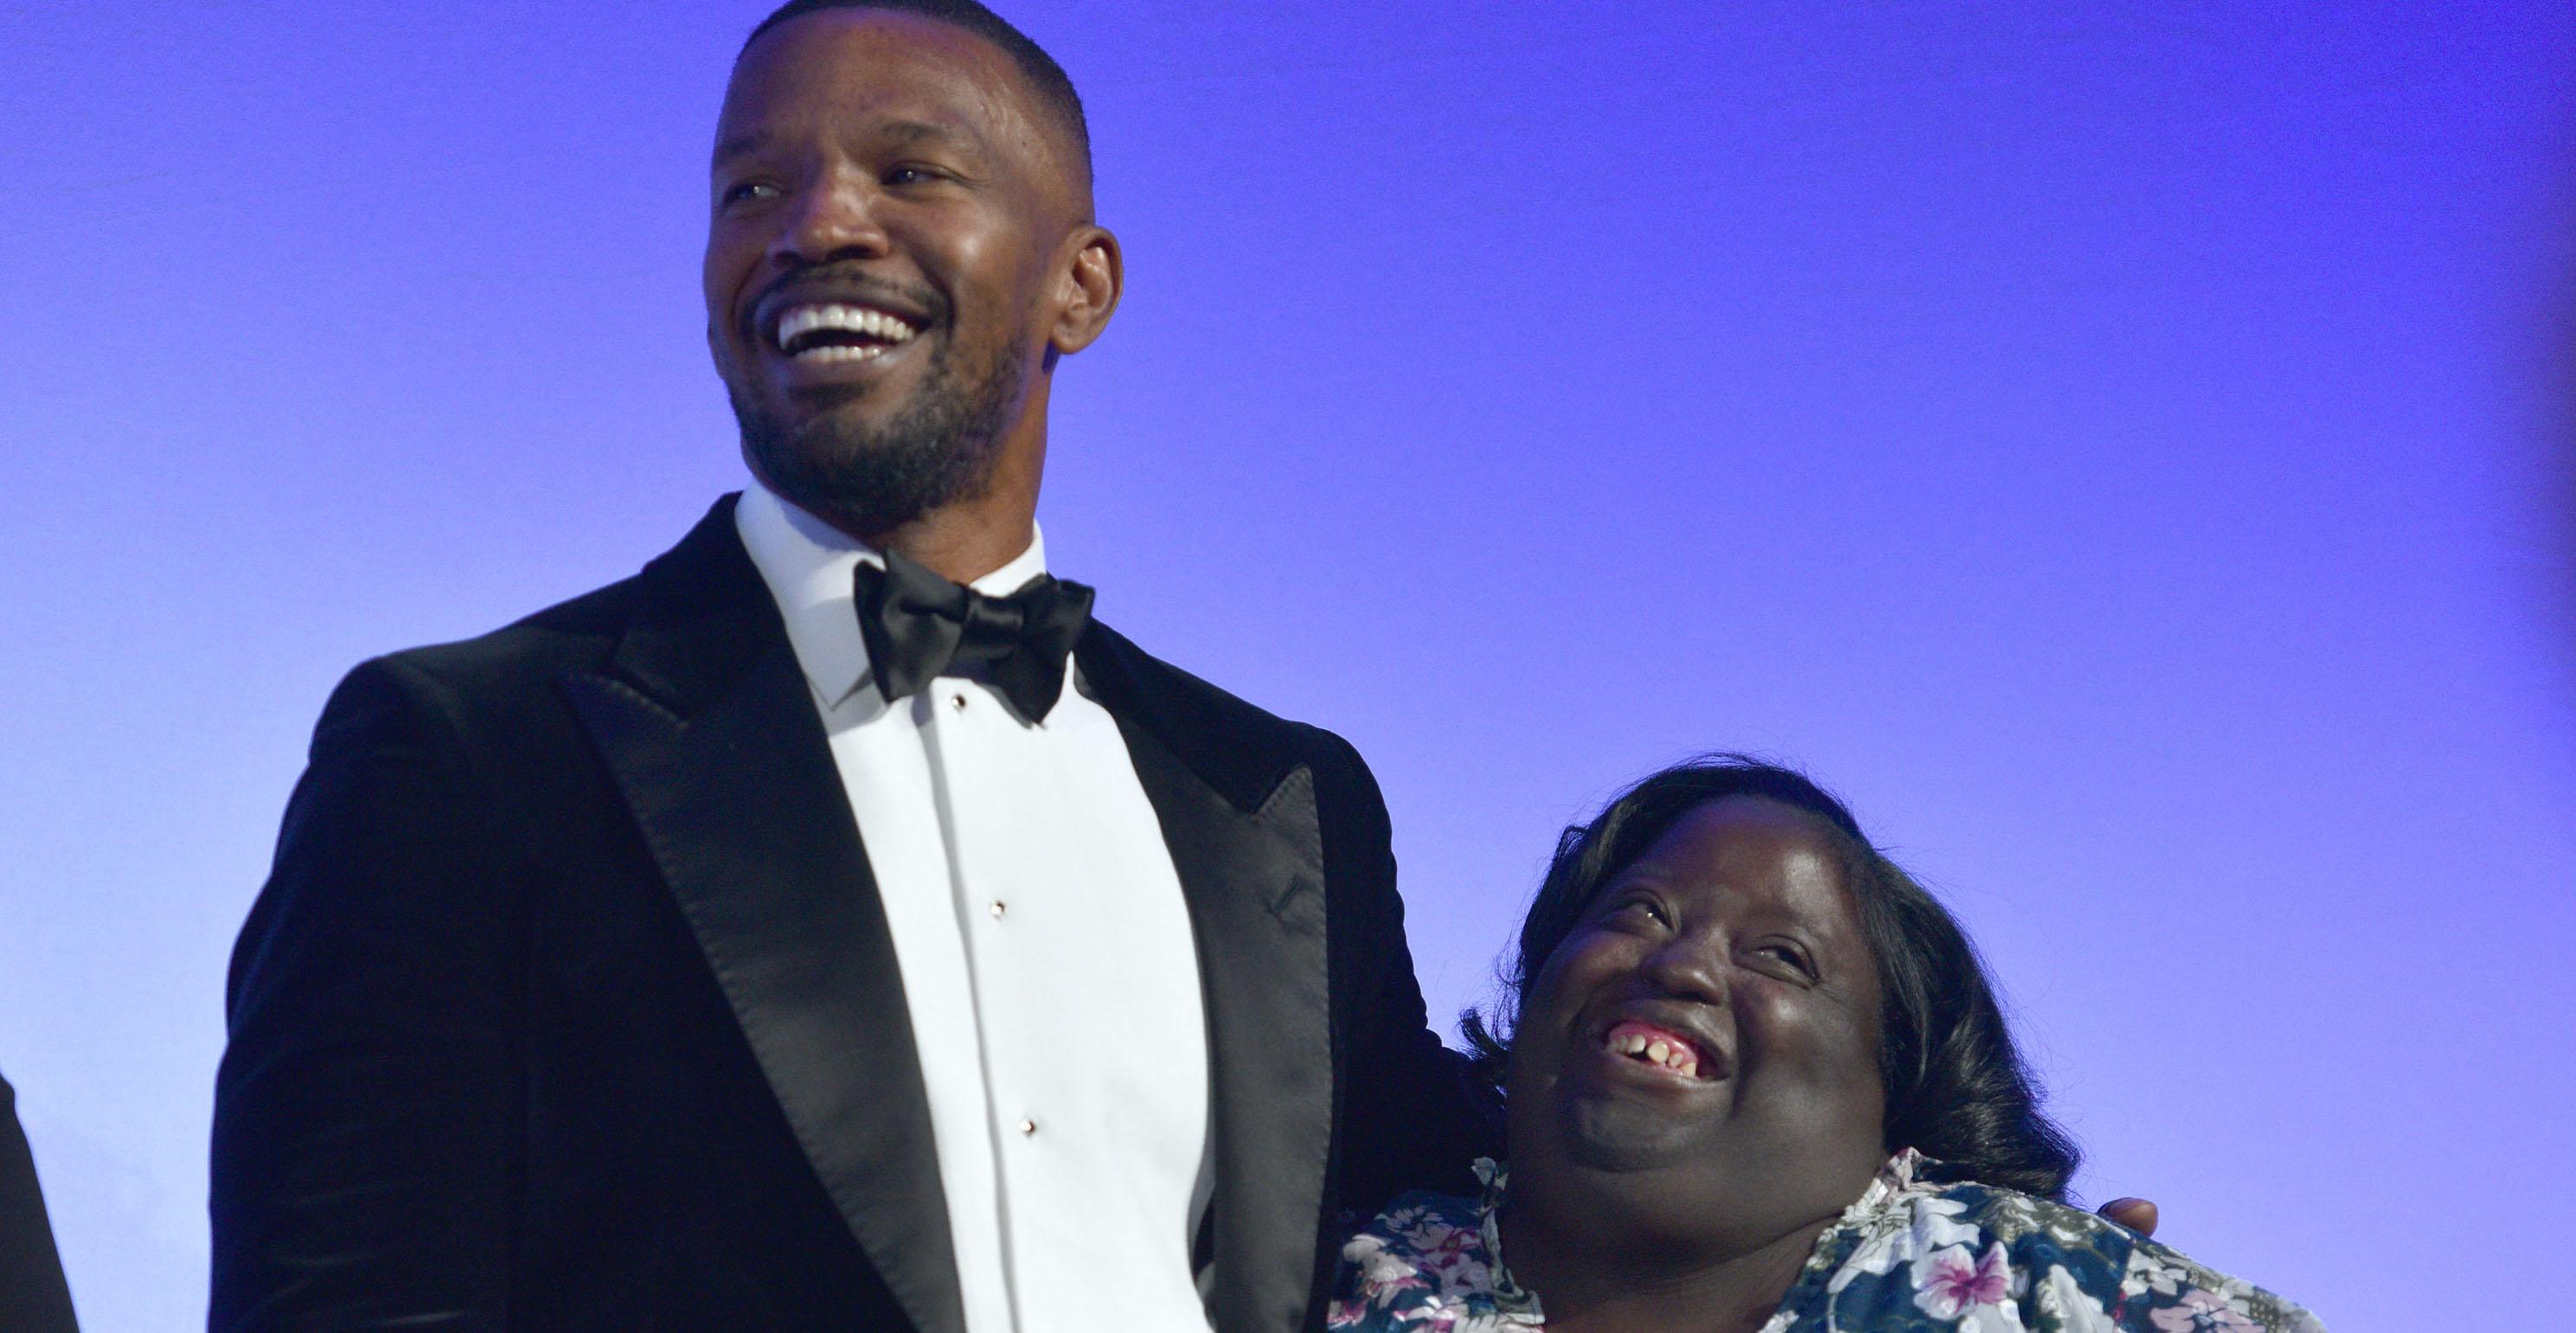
{"x": 1089, "y": 280}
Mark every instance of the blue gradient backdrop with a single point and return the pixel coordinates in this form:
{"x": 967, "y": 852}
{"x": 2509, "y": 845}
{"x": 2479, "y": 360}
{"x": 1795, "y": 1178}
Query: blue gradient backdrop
{"x": 2111, "y": 444}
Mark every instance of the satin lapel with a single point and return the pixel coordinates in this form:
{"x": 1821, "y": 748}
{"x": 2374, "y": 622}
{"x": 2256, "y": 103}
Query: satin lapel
{"x": 1252, "y": 869}
{"x": 706, "y": 723}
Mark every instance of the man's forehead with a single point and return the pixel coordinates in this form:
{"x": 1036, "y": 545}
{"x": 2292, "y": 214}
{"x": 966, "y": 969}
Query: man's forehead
{"x": 855, "y": 57}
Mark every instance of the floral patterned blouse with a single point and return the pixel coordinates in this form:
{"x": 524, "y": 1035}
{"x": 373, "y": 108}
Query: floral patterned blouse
{"x": 1924, "y": 1249}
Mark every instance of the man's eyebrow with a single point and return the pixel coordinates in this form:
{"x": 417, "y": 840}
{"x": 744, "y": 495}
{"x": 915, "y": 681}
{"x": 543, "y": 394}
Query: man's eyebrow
{"x": 748, "y": 143}
{"x": 741, "y": 144}
{"x": 915, "y": 131}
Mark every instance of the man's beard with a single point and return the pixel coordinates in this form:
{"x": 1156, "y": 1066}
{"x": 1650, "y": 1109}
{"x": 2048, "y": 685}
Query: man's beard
{"x": 939, "y": 449}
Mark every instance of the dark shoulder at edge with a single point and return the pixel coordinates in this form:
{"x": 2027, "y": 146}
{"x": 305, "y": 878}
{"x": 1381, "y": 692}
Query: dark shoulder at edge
{"x": 576, "y": 634}
{"x": 1215, "y": 701}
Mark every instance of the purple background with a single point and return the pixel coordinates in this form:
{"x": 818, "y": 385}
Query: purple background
{"x": 2115, "y": 449}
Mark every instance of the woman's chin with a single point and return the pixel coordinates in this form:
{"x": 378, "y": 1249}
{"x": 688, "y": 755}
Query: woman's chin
{"x": 1618, "y": 1131}
{"x": 1602, "y": 1111}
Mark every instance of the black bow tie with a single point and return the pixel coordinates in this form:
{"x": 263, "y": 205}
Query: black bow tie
{"x": 918, "y": 625}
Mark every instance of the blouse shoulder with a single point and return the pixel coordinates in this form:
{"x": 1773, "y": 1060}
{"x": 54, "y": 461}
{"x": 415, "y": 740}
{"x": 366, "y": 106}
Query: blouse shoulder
{"x": 1926, "y": 1249}
{"x": 1429, "y": 1262}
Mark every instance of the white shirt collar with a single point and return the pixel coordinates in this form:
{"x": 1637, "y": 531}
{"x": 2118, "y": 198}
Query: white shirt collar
{"x": 810, "y": 567}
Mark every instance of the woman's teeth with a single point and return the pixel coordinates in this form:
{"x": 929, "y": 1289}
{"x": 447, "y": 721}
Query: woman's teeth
{"x": 1672, "y": 1055}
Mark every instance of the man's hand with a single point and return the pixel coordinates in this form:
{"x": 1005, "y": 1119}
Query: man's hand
{"x": 2138, "y": 1215}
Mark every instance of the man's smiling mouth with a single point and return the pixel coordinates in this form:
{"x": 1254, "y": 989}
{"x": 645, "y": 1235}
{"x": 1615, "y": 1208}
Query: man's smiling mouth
{"x": 822, "y": 332}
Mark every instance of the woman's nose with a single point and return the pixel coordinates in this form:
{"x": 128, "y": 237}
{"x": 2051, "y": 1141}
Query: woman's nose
{"x": 836, "y": 219}
{"x": 1690, "y": 967}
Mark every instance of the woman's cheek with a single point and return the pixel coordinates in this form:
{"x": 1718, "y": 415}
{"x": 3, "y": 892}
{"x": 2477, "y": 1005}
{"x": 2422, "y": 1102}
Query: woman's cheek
{"x": 1571, "y": 971}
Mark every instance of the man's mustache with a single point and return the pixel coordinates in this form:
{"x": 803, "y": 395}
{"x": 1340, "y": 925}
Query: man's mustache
{"x": 843, "y": 280}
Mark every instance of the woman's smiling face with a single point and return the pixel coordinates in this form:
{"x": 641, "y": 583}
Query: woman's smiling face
{"x": 1701, "y": 1053}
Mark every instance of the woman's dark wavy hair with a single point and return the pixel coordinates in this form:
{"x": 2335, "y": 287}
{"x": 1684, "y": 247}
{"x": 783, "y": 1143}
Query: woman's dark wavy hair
{"x": 1957, "y": 1088}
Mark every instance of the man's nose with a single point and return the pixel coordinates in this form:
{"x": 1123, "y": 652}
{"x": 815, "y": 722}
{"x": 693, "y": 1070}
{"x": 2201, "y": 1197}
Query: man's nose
{"x": 835, "y": 219}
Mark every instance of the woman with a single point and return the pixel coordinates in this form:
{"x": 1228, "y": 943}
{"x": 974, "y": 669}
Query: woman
{"x": 1755, "y": 1080}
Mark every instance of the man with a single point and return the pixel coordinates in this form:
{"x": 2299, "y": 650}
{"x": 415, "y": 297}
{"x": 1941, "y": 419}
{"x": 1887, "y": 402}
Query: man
{"x": 788, "y": 936}
{"x": 33, "y": 1298}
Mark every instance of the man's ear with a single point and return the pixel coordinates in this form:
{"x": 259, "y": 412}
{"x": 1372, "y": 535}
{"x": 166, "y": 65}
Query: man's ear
{"x": 1088, "y": 282}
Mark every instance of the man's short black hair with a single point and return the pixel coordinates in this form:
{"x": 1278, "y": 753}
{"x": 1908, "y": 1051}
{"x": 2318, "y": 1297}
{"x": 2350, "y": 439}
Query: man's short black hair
{"x": 1054, "y": 88}
{"x": 1957, "y": 1087}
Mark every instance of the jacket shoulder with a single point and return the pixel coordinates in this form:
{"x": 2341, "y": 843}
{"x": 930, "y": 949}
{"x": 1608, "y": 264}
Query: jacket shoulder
{"x": 1191, "y": 713}
{"x": 574, "y": 634}
{"x": 701, "y": 587}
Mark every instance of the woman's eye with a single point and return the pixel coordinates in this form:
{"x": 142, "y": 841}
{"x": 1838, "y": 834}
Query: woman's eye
{"x": 1644, "y": 908}
{"x": 1788, "y": 954}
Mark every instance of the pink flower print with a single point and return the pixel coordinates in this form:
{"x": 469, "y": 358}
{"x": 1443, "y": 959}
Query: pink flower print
{"x": 1452, "y": 1251}
{"x": 2203, "y": 1312}
{"x": 1950, "y": 1283}
{"x": 1383, "y": 1275}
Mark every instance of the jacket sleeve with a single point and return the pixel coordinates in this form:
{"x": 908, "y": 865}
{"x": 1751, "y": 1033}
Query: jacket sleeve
{"x": 33, "y": 1298}
{"x": 1412, "y": 1116}
{"x": 363, "y": 1151}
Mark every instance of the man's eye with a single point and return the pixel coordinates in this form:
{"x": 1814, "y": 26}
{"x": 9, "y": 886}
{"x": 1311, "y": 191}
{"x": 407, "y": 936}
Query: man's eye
{"x": 740, "y": 191}
{"x": 910, "y": 176}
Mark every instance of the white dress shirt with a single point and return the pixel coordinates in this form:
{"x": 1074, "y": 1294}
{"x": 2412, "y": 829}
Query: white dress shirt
{"x": 1046, "y": 954}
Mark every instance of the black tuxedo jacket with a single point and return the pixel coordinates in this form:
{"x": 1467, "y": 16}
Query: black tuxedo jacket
{"x": 570, "y": 1002}
{"x": 33, "y": 1298}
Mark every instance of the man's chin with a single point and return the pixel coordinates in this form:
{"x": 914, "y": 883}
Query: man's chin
{"x": 825, "y": 427}
{"x": 862, "y": 481}
{"x": 834, "y": 413}
{"x": 871, "y": 454}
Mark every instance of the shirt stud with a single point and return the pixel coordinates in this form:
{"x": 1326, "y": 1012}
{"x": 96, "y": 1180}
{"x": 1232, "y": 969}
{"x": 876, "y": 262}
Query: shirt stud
{"x": 998, "y": 909}
{"x": 1028, "y": 1127}
{"x": 958, "y": 702}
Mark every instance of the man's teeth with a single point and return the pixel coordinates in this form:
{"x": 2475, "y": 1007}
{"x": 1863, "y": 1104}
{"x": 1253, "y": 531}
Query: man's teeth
{"x": 800, "y": 321}
{"x": 1655, "y": 1050}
